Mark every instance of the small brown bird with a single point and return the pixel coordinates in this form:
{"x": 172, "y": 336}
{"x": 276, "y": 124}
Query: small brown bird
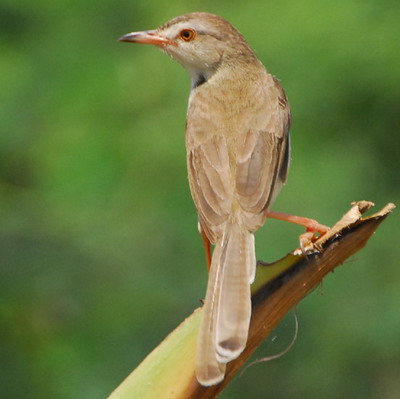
{"x": 237, "y": 141}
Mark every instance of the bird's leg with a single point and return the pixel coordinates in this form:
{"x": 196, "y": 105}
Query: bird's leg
{"x": 311, "y": 225}
{"x": 207, "y": 247}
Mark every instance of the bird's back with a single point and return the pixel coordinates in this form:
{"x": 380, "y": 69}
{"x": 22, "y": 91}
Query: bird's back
{"x": 237, "y": 137}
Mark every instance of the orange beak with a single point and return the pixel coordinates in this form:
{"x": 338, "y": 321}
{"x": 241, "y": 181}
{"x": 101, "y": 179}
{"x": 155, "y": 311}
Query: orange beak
{"x": 146, "y": 37}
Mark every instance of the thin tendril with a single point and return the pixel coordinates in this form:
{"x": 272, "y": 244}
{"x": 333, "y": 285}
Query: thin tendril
{"x": 280, "y": 354}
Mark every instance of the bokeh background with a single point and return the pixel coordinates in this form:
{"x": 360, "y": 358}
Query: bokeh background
{"x": 100, "y": 255}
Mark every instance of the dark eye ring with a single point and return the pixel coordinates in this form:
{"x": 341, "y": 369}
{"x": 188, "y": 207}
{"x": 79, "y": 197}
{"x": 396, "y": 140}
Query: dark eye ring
{"x": 187, "y": 34}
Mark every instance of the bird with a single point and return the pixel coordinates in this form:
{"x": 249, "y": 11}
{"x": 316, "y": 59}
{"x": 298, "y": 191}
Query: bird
{"x": 238, "y": 156}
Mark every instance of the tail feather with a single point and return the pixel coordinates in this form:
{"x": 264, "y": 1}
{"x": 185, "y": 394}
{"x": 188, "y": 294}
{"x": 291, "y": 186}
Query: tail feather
{"x": 251, "y": 256}
{"x": 227, "y": 309}
{"x": 209, "y": 371}
{"x": 234, "y": 307}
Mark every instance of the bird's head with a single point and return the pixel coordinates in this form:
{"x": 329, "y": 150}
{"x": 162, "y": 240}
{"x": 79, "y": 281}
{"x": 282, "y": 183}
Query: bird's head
{"x": 199, "y": 41}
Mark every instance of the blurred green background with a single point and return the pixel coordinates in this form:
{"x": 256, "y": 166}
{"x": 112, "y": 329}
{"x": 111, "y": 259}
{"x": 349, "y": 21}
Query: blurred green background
{"x": 100, "y": 255}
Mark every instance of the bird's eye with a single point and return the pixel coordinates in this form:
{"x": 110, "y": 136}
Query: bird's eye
{"x": 187, "y": 35}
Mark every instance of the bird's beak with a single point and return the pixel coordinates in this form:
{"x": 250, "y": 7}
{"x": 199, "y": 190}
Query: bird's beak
{"x": 146, "y": 37}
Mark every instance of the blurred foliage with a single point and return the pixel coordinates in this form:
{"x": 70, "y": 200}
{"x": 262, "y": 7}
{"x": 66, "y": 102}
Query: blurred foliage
{"x": 100, "y": 255}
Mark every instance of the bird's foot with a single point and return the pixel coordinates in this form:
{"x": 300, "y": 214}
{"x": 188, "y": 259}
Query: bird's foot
{"x": 314, "y": 230}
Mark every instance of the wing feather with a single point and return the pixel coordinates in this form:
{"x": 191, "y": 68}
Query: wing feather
{"x": 211, "y": 182}
{"x": 263, "y": 154}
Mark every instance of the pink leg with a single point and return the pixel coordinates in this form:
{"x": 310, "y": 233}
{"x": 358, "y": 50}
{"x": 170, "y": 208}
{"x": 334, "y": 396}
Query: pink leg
{"x": 311, "y": 225}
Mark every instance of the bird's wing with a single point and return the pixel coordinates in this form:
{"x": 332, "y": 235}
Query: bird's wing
{"x": 263, "y": 152}
{"x": 210, "y": 181}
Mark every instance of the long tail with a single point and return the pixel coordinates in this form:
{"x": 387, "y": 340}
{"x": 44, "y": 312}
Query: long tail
{"x": 227, "y": 309}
